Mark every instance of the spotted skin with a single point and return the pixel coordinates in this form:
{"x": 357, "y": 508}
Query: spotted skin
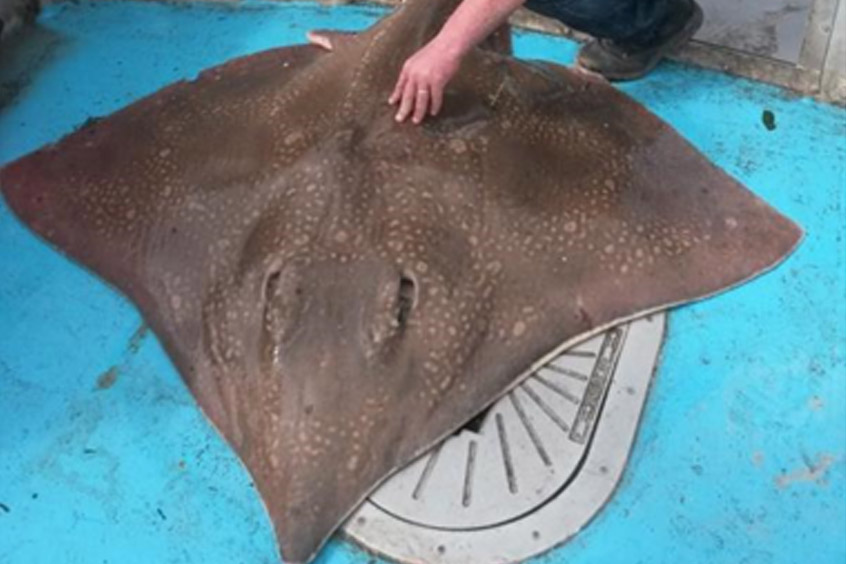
{"x": 340, "y": 291}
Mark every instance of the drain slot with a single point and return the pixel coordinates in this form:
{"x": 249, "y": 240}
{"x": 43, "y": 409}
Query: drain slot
{"x": 528, "y": 472}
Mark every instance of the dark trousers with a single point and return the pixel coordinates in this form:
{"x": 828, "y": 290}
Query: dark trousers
{"x": 625, "y": 21}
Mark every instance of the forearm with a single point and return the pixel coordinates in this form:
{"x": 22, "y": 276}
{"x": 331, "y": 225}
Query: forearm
{"x": 472, "y": 22}
{"x": 420, "y": 87}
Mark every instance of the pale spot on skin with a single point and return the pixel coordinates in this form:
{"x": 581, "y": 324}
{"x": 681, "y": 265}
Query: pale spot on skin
{"x": 458, "y": 145}
{"x": 570, "y": 227}
{"x": 294, "y": 137}
{"x": 519, "y": 329}
{"x": 352, "y": 463}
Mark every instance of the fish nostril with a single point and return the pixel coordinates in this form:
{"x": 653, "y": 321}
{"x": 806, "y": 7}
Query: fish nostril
{"x": 405, "y": 299}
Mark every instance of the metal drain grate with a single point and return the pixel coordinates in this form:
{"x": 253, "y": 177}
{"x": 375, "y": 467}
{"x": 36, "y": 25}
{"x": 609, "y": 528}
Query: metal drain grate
{"x": 531, "y": 471}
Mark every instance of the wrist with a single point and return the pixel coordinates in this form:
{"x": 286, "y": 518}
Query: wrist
{"x": 451, "y": 46}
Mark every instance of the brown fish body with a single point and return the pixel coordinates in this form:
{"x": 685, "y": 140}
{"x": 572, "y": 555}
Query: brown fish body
{"x": 340, "y": 291}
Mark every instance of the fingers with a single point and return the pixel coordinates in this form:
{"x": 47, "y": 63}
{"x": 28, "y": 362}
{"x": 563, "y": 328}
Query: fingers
{"x": 407, "y": 101}
{"x": 415, "y": 99}
{"x": 437, "y": 99}
{"x": 417, "y": 93}
{"x": 421, "y": 103}
{"x": 396, "y": 95}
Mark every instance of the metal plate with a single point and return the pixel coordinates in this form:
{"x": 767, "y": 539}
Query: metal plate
{"x": 774, "y": 29}
{"x": 528, "y": 473}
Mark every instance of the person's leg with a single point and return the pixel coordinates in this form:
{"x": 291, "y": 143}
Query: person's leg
{"x": 633, "y": 35}
{"x": 618, "y": 20}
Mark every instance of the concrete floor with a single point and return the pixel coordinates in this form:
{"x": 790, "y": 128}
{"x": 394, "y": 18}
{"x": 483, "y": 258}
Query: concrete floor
{"x": 804, "y": 38}
{"x": 104, "y": 457}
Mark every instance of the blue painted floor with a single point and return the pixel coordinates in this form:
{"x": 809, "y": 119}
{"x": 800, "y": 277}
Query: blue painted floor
{"x": 105, "y": 459}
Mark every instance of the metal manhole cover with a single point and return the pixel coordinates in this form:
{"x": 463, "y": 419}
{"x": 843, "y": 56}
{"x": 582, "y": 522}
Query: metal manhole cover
{"x": 528, "y": 473}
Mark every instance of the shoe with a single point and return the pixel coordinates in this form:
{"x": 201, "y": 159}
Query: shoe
{"x": 616, "y": 61}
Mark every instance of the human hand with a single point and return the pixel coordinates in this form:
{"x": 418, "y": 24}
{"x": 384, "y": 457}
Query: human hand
{"x": 420, "y": 87}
